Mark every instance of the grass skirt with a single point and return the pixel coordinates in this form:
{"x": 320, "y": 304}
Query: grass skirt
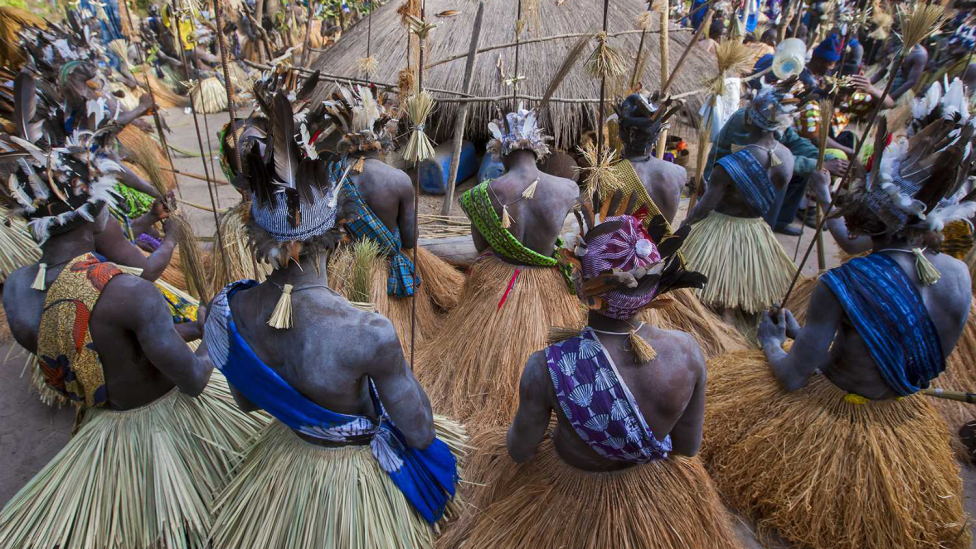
{"x": 136, "y": 479}
{"x": 687, "y": 314}
{"x": 209, "y": 96}
{"x": 546, "y": 503}
{"x": 826, "y": 474}
{"x": 471, "y": 371}
{"x": 971, "y": 262}
{"x": 290, "y": 494}
{"x": 746, "y": 266}
{"x": 141, "y": 149}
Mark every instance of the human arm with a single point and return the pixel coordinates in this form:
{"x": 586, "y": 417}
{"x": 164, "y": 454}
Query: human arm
{"x": 811, "y": 348}
{"x": 532, "y": 417}
{"x": 145, "y": 104}
{"x": 686, "y": 435}
{"x": 113, "y": 244}
{"x": 399, "y": 390}
{"x": 714, "y": 191}
{"x": 916, "y": 66}
{"x": 866, "y": 86}
{"x": 819, "y": 185}
{"x": 137, "y": 307}
{"x": 804, "y": 152}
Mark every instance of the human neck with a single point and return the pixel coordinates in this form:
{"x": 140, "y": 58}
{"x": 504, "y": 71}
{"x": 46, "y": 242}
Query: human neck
{"x": 637, "y": 151}
{"x": 65, "y": 247}
{"x": 303, "y": 273}
{"x": 520, "y": 160}
{"x": 364, "y": 154}
{"x": 603, "y": 323}
{"x": 879, "y": 243}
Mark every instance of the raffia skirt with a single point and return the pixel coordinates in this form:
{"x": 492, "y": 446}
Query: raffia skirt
{"x": 471, "y": 368}
{"x": 440, "y": 285}
{"x": 290, "y": 494}
{"x": 136, "y": 479}
{"x": 546, "y": 503}
{"x": 827, "y": 474}
{"x": 746, "y": 266}
{"x": 686, "y": 313}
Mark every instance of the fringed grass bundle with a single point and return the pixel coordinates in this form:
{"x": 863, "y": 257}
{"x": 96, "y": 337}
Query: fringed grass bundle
{"x": 733, "y": 59}
{"x": 165, "y": 97}
{"x": 605, "y": 61}
{"x": 240, "y": 263}
{"x": 959, "y": 375}
{"x": 419, "y": 147}
{"x": 823, "y": 473}
{"x": 120, "y": 48}
{"x": 546, "y": 503}
{"x": 145, "y": 152}
{"x": 405, "y": 85}
{"x": 191, "y": 259}
{"x": 687, "y": 314}
{"x": 17, "y": 247}
{"x": 598, "y": 172}
{"x": 289, "y": 493}
{"x": 365, "y": 261}
{"x": 368, "y": 65}
{"x": 209, "y": 96}
{"x": 471, "y": 371}
{"x": 440, "y": 280}
{"x": 918, "y": 24}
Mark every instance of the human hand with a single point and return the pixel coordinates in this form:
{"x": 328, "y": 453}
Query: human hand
{"x": 201, "y": 318}
{"x": 819, "y": 186}
{"x": 772, "y": 333}
{"x": 792, "y": 326}
{"x": 836, "y": 166}
{"x": 864, "y": 84}
{"x": 171, "y": 229}
{"x": 160, "y": 208}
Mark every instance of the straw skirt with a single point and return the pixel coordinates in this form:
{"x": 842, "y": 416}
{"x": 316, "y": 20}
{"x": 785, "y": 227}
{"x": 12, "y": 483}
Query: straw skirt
{"x": 827, "y": 474}
{"x": 290, "y": 494}
{"x": 138, "y": 479}
{"x": 547, "y": 504}
{"x": 687, "y": 314}
{"x": 746, "y": 266}
{"x": 471, "y": 369}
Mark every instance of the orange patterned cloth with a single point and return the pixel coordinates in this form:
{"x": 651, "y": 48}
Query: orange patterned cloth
{"x": 67, "y": 356}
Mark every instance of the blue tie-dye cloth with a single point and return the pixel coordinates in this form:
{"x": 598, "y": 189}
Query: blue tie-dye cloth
{"x": 888, "y": 313}
{"x": 751, "y": 179}
{"x": 598, "y": 404}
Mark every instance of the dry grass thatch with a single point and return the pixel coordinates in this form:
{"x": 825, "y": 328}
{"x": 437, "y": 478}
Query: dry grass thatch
{"x": 538, "y": 62}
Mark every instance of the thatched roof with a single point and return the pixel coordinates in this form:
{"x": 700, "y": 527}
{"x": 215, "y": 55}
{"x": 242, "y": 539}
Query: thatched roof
{"x": 538, "y": 62}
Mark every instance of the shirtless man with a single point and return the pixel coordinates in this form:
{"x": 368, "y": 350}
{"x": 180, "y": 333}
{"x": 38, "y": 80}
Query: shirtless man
{"x": 729, "y": 237}
{"x": 640, "y": 124}
{"x": 106, "y": 341}
{"x": 626, "y": 397}
{"x": 911, "y": 71}
{"x": 333, "y": 376}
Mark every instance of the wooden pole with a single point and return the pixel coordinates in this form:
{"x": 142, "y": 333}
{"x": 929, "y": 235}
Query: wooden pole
{"x": 665, "y": 8}
{"x": 463, "y": 115}
{"x": 635, "y": 76}
{"x": 684, "y": 55}
{"x": 308, "y": 33}
{"x": 601, "y": 107}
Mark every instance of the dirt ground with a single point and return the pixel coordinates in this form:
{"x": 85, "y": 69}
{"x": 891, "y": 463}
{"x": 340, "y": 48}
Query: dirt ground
{"x": 32, "y": 433}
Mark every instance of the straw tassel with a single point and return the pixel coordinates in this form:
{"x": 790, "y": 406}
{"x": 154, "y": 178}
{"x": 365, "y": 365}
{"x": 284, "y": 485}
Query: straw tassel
{"x": 558, "y": 334}
{"x": 39, "y": 279}
{"x": 529, "y": 191}
{"x": 359, "y": 165}
{"x": 281, "y": 316}
{"x": 506, "y": 218}
{"x": 641, "y": 348}
{"x": 927, "y": 273}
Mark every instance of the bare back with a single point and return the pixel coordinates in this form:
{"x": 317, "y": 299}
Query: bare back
{"x": 538, "y": 221}
{"x": 389, "y": 193}
{"x": 663, "y": 181}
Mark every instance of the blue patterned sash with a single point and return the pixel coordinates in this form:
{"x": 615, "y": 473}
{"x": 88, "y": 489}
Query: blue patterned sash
{"x": 890, "y": 316}
{"x": 426, "y": 477}
{"x": 751, "y": 180}
{"x": 598, "y": 404}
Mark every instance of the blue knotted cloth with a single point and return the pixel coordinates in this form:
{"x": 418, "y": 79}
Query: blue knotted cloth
{"x": 403, "y": 278}
{"x": 427, "y": 478}
{"x": 888, "y": 313}
{"x": 751, "y": 180}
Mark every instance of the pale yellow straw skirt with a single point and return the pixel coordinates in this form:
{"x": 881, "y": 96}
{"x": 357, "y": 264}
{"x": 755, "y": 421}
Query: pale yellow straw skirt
{"x": 138, "y": 479}
{"x": 547, "y": 504}
{"x": 746, "y": 266}
{"x": 291, "y": 494}
{"x": 687, "y": 314}
{"x": 825, "y": 473}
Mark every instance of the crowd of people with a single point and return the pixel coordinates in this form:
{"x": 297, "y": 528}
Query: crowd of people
{"x": 611, "y": 371}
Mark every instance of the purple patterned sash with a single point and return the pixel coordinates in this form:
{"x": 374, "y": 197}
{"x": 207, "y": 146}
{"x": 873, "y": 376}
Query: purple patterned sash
{"x": 597, "y": 403}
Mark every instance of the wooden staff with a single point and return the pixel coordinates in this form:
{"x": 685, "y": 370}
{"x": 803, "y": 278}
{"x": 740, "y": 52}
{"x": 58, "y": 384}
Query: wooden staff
{"x": 601, "y": 115}
{"x": 308, "y": 33}
{"x": 518, "y": 38}
{"x": 826, "y": 117}
{"x": 684, "y": 55}
{"x": 416, "y": 192}
{"x": 958, "y": 396}
{"x": 225, "y": 65}
{"x": 463, "y": 115}
{"x": 665, "y": 8}
{"x": 635, "y": 77}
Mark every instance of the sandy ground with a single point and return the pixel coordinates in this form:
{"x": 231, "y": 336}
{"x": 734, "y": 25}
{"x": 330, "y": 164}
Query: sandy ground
{"x": 32, "y": 433}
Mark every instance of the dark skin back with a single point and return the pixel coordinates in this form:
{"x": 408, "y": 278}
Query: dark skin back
{"x": 142, "y": 354}
{"x": 389, "y": 193}
{"x": 723, "y": 196}
{"x": 663, "y": 180}
{"x": 830, "y": 343}
{"x": 536, "y": 222}
{"x": 331, "y": 351}
{"x": 669, "y": 390}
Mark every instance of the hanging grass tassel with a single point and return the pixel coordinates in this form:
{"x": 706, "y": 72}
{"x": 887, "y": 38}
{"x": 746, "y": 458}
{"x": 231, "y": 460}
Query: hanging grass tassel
{"x": 419, "y": 147}
{"x": 359, "y": 165}
{"x": 598, "y": 172}
{"x": 641, "y": 348}
{"x": 281, "y": 316}
{"x": 368, "y": 65}
{"x": 927, "y": 273}
{"x": 920, "y": 23}
{"x": 365, "y": 255}
{"x": 39, "y": 279}
{"x": 506, "y": 218}
{"x": 529, "y": 191}
{"x": 605, "y": 61}
{"x": 558, "y": 334}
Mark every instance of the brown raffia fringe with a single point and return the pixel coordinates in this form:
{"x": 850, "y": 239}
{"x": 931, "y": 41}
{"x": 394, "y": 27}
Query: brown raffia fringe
{"x": 471, "y": 369}
{"x": 746, "y": 266}
{"x": 166, "y": 98}
{"x": 442, "y": 281}
{"x": 145, "y": 477}
{"x": 547, "y": 504}
{"x": 291, "y": 494}
{"x": 241, "y": 264}
{"x": 826, "y": 474}
{"x": 142, "y": 150}
{"x": 799, "y": 301}
{"x": 971, "y": 262}
{"x": 687, "y": 314}
{"x": 4, "y": 327}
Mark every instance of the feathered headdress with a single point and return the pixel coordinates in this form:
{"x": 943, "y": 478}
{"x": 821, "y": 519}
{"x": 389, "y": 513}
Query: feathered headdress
{"x": 518, "y": 130}
{"x": 642, "y": 119}
{"x": 940, "y": 101}
{"x": 55, "y": 186}
{"x": 366, "y": 123}
{"x": 772, "y": 109}
{"x": 915, "y": 183}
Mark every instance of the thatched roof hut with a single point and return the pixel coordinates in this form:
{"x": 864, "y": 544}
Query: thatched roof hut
{"x": 569, "y": 116}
